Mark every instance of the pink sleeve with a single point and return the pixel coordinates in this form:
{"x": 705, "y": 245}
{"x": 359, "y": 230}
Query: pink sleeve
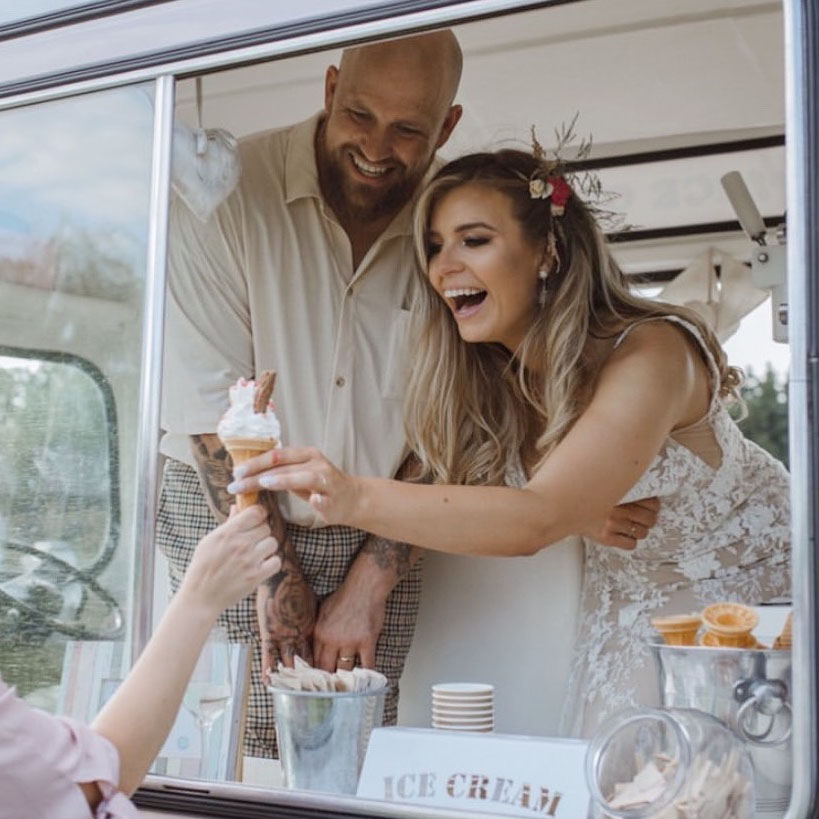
{"x": 42, "y": 760}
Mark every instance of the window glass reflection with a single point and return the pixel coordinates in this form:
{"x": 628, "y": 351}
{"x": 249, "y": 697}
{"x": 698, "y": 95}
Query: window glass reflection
{"x": 74, "y": 194}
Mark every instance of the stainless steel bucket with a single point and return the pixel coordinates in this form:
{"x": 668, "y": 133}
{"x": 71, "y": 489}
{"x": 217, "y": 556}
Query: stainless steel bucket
{"x": 323, "y": 736}
{"x": 750, "y": 691}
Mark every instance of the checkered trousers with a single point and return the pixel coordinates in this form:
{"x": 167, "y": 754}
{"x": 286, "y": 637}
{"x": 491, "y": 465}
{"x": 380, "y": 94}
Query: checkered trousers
{"x": 183, "y": 518}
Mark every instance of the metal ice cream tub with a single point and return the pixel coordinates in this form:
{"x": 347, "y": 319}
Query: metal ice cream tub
{"x": 750, "y": 691}
{"x": 323, "y": 736}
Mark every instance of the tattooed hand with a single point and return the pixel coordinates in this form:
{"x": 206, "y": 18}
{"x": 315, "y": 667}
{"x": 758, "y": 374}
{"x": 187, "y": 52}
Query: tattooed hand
{"x": 285, "y": 604}
{"x": 286, "y": 607}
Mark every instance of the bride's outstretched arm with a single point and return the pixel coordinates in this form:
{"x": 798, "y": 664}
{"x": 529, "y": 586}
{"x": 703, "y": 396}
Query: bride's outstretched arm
{"x": 645, "y": 390}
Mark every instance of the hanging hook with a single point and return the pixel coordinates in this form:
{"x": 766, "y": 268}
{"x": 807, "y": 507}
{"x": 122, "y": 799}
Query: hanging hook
{"x": 201, "y": 135}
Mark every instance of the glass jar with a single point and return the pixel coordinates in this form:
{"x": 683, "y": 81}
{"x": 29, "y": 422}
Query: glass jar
{"x": 665, "y": 763}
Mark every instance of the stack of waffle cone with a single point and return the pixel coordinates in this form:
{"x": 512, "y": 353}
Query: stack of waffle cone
{"x": 241, "y": 450}
{"x": 785, "y": 639}
{"x": 678, "y": 629}
{"x": 729, "y": 624}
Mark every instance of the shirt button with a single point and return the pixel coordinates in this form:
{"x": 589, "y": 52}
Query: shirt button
{"x": 340, "y": 381}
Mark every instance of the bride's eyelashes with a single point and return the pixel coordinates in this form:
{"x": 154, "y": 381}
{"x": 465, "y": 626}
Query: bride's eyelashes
{"x": 476, "y": 241}
{"x": 434, "y": 248}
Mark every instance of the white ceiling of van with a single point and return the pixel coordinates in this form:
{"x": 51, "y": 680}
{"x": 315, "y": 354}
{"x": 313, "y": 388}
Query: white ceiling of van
{"x": 638, "y": 70}
{"x": 643, "y": 74}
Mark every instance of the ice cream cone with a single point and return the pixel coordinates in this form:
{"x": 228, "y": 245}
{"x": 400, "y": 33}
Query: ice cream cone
{"x": 785, "y": 638}
{"x": 715, "y": 641}
{"x": 241, "y": 450}
{"x": 730, "y": 623}
{"x": 678, "y": 629}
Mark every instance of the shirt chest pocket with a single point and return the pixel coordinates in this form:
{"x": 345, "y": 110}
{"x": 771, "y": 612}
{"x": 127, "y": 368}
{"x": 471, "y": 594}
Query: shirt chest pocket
{"x": 399, "y": 351}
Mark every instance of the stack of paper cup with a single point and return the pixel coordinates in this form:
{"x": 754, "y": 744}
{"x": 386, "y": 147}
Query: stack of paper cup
{"x": 463, "y": 706}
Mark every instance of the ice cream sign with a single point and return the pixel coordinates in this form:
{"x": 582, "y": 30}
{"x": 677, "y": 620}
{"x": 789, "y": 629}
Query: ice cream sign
{"x": 487, "y": 773}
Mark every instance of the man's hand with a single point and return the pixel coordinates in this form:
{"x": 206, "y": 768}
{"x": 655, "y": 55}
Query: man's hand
{"x": 286, "y": 608}
{"x": 351, "y": 619}
{"x": 349, "y": 625}
{"x": 625, "y": 524}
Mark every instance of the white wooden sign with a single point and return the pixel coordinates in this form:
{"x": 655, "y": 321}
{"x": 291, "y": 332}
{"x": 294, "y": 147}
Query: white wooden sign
{"x": 486, "y": 773}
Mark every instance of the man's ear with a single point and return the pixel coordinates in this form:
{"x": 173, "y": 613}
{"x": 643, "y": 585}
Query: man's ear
{"x": 330, "y": 84}
{"x": 450, "y": 121}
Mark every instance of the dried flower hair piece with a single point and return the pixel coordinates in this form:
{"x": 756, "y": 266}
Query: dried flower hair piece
{"x": 557, "y": 178}
{"x": 540, "y": 188}
{"x": 561, "y": 191}
{"x": 555, "y": 188}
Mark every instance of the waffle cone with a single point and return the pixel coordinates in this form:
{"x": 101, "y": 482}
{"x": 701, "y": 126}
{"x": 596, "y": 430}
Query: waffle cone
{"x": 730, "y": 621}
{"x": 785, "y": 639}
{"x": 678, "y": 629}
{"x": 241, "y": 450}
{"x": 747, "y": 640}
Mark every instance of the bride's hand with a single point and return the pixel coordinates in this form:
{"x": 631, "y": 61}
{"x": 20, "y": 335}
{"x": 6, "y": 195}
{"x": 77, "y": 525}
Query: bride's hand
{"x": 305, "y": 472}
{"x": 625, "y": 524}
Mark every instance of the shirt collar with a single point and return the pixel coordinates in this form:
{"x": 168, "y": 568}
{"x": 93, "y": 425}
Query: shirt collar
{"x": 300, "y": 170}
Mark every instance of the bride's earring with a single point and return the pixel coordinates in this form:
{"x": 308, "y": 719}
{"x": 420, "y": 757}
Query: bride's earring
{"x": 542, "y": 276}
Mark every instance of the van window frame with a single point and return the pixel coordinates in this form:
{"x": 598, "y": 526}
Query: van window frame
{"x": 76, "y": 13}
{"x": 236, "y": 46}
{"x": 802, "y": 180}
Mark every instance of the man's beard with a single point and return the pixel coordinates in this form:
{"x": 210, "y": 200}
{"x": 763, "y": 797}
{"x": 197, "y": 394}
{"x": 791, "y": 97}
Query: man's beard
{"x": 355, "y": 201}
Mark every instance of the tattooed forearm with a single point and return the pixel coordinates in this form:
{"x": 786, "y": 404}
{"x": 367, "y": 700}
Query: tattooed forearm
{"x": 392, "y": 558}
{"x": 214, "y": 467}
{"x": 287, "y": 551}
{"x": 389, "y": 555}
{"x": 278, "y": 525}
{"x": 286, "y": 604}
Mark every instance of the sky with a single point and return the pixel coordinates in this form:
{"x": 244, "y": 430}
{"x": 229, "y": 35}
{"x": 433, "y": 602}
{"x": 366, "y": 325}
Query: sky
{"x": 753, "y": 345}
{"x": 80, "y": 167}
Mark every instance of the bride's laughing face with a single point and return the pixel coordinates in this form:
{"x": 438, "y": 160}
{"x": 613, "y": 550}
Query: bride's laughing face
{"x": 482, "y": 265}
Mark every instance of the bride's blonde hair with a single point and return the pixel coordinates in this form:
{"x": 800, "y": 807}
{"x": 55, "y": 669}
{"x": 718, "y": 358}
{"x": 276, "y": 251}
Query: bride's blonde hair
{"x": 475, "y": 413}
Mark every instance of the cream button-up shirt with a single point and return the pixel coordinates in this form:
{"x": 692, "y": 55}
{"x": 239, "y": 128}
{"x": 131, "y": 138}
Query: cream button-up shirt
{"x": 268, "y": 283}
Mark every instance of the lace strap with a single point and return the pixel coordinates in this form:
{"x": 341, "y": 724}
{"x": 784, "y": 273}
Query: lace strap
{"x": 693, "y": 330}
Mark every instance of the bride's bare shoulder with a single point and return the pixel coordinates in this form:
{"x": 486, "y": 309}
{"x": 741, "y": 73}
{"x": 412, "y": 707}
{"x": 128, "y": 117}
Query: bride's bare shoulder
{"x": 663, "y": 342}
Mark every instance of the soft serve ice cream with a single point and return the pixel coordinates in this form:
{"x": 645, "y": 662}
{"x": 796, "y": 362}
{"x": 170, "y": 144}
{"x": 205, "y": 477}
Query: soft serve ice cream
{"x": 250, "y": 426}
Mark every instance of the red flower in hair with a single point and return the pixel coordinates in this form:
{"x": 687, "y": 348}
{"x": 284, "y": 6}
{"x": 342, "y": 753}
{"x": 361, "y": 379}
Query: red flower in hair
{"x": 561, "y": 191}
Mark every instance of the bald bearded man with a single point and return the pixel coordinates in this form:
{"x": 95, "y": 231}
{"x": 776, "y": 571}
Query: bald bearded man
{"x": 308, "y": 269}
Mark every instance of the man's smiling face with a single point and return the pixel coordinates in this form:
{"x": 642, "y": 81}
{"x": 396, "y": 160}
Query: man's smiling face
{"x": 385, "y": 118}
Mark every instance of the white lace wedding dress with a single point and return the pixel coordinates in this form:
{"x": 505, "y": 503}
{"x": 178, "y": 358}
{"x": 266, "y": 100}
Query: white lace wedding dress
{"x": 723, "y": 533}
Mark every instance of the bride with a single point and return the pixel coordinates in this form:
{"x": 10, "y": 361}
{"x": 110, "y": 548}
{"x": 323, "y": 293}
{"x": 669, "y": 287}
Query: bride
{"x": 543, "y": 393}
